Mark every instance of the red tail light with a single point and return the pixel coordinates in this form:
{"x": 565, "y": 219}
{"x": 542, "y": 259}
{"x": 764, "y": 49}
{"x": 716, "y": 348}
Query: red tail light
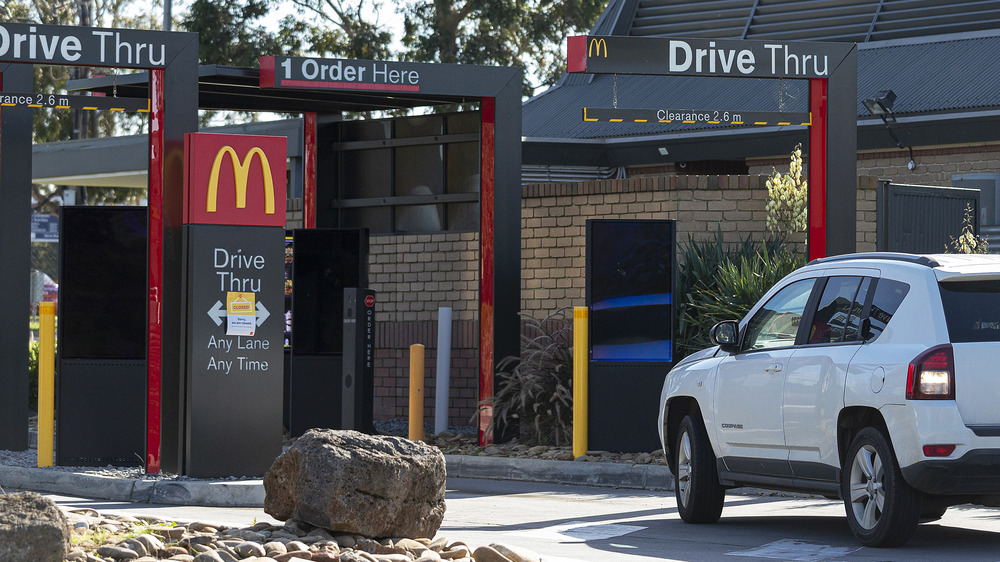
{"x": 931, "y": 375}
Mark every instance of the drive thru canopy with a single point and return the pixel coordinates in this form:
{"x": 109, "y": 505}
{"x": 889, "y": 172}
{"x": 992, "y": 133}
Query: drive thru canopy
{"x": 177, "y": 88}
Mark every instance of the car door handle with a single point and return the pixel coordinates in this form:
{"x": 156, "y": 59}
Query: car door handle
{"x": 773, "y": 368}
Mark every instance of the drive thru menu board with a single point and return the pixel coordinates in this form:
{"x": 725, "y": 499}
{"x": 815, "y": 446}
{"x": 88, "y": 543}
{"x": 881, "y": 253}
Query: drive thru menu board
{"x": 241, "y": 270}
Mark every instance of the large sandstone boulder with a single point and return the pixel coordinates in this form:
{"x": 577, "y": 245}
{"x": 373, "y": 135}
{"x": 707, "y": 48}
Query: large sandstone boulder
{"x": 371, "y": 485}
{"x": 33, "y": 528}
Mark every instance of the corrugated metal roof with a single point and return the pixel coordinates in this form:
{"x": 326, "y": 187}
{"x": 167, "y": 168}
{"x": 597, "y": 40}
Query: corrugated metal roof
{"x": 940, "y": 73}
{"x": 708, "y": 18}
{"x": 814, "y": 20}
{"x": 937, "y": 76}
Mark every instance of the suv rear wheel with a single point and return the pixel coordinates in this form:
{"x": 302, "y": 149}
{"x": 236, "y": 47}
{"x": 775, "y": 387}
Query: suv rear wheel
{"x": 696, "y": 481}
{"x": 882, "y": 509}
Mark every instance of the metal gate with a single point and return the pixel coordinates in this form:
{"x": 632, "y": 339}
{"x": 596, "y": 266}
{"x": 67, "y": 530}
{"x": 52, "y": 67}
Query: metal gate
{"x": 922, "y": 219}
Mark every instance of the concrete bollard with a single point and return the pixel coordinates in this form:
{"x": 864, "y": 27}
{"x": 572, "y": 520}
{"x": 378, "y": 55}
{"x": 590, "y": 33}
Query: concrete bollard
{"x": 443, "y": 375}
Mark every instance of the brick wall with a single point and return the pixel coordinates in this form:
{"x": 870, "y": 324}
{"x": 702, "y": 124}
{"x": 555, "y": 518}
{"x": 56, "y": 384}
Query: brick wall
{"x": 415, "y": 274}
{"x": 933, "y": 165}
{"x": 554, "y": 216}
{"x": 392, "y": 366}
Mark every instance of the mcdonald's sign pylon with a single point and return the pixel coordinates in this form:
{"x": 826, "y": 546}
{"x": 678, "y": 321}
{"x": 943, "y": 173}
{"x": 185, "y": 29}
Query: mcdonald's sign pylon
{"x": 234, "y": 179}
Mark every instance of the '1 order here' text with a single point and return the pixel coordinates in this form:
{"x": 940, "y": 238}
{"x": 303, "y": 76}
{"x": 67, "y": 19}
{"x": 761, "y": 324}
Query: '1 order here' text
{"x": 347, "y": 71}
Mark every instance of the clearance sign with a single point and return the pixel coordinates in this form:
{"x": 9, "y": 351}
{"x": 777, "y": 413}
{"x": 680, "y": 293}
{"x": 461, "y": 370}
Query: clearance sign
{"x": 234, "y": 179}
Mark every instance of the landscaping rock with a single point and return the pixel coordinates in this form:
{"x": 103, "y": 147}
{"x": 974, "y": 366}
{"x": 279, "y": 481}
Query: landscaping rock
{"x": 351, "y": 482}
{"x": 33, "y": 528}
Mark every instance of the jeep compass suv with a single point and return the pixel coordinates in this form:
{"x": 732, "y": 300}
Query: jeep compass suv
{"x": 874, "y": 378}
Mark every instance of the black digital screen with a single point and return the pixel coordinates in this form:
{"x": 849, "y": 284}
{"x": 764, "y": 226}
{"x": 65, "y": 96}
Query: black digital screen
{"x": 324, "y": 263}
{"x": 103, "y": 289}
{"x": 630, "y": 272}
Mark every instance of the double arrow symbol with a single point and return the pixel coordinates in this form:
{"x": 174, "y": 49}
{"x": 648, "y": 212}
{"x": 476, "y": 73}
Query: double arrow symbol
{"x": 218, "y": 312}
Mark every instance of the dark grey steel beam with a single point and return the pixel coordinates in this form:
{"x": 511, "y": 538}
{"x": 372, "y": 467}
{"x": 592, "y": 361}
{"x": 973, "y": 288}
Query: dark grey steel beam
{"x": 842, "y": 156}
{"x": 15, "y": 259}
{"x": 180, "y": 117}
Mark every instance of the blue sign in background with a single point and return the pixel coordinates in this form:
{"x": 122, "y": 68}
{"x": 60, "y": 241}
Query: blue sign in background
{"x": 44, "y": 228}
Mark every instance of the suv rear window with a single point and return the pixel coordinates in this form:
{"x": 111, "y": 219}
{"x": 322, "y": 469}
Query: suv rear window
{"x": 972, "y": 310}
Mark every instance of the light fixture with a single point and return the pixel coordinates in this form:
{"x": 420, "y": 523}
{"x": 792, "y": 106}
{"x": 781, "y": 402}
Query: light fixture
{"x": 880, "y": 105}
{"x": 663, "y": 151}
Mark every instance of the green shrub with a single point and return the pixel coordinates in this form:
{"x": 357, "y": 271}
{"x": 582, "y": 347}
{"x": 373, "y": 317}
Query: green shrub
{"x": 718, "y": 282}
{"x": 535, "y": 390}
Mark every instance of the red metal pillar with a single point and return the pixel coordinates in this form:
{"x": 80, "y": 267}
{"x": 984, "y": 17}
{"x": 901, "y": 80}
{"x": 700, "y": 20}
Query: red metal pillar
{"x": 309, "y": 175}
{"x": 487, "y": 132}
{"x": 155, "y": 272}
{"x": 817, "y": 168}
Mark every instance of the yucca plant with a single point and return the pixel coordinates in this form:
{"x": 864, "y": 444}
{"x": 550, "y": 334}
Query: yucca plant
{"x": 737, "y": 286}
{"x": 718, "y": 281}
{"x": 535, "y": 390}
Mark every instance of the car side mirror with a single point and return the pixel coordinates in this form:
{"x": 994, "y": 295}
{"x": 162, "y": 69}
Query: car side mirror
{"x": 726, "y": 335}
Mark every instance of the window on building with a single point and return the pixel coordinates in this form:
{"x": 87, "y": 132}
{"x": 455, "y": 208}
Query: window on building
{"x": 409, "y": 174}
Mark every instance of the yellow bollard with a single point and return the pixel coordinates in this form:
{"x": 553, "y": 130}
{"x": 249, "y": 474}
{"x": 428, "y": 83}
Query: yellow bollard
{"x": 46, "y": 381}
{"x": 580, "y": 358}
{"x": 417, "y": 392}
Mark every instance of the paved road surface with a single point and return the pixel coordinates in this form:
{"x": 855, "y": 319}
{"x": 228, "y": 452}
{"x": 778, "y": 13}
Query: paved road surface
{"x": 600, "y": 524}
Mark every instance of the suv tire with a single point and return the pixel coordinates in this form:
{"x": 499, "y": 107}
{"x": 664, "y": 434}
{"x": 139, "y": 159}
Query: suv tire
{"x": 696, "y": 480}
{"x": 871, "y": 476}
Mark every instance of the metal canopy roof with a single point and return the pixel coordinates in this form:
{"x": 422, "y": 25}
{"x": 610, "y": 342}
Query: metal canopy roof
{"x": 857, "y": 21}
{"x": 123, "y": 161}
{"x": 238, "y": 89}
{"x": 940, "y": 59}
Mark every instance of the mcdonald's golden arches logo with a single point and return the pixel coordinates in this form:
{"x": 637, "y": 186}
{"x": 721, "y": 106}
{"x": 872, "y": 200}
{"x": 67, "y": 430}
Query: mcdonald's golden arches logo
{"x": 234, "y": 179}
{"x": 595, "y": 47}
{"x": 241, "y": 171}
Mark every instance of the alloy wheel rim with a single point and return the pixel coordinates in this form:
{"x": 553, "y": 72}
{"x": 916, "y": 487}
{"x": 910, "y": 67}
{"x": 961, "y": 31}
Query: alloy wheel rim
{"x": 867, "y": 493}
{"x": 684, "y": 468}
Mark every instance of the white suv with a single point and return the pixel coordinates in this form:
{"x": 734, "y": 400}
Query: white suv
{"x": 870, "y": 377}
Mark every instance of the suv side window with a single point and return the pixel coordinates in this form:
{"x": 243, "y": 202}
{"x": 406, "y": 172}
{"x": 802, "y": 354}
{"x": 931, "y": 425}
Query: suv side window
{"x": 777, "y": 322}
{"x": 839, "y": 309}
{"x": 888, "y": 295}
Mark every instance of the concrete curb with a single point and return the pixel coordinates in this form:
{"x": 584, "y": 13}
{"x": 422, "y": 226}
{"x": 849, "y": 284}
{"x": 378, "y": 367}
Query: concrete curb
{"x": 250, "y": 493}
{"x": 227, "y": 493}
{"x": 602, "y": 474}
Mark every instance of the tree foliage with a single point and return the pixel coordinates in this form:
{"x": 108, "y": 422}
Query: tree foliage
{"x": 51, "y": 125}
{"x": 230, "y": 32}
{"x": 338, "y": 28}
{"x": 525, "y": 33}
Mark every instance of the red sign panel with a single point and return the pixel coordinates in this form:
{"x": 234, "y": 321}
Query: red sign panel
{"x": 370, "y": 301}
{"x": 234, "y": 179}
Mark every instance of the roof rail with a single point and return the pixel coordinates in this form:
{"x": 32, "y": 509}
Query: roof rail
{"x": 894, "y": 256}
